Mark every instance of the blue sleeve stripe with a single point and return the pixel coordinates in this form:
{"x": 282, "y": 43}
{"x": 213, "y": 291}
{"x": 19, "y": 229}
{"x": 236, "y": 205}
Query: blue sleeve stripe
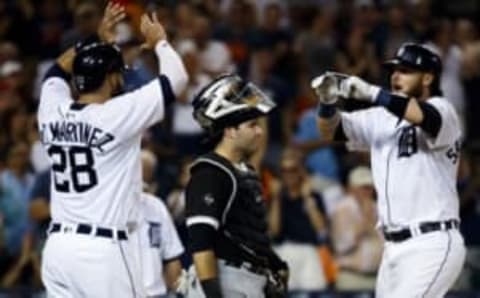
{"x": 168, "y": 95}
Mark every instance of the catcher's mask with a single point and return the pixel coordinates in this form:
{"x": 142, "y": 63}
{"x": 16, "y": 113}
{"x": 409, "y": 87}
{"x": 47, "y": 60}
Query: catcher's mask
{"x": 228, "y": 101}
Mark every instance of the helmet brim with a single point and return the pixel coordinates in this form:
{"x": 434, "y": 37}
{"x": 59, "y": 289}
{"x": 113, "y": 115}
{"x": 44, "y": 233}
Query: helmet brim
{"x": 391, "y": 64}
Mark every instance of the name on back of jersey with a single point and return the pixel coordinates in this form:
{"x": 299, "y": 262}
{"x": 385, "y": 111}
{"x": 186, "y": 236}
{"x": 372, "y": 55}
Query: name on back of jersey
{"x": 75, "y": 132}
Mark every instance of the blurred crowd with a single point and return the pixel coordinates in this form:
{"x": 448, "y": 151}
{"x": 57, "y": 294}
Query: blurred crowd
{"x": 322, "y": 210}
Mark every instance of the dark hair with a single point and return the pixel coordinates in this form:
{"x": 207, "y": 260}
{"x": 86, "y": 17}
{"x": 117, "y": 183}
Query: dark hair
{"x": 212, "y": 139}
{"x": 435, "y": 89}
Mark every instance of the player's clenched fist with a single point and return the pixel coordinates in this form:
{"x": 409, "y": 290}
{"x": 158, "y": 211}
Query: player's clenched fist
{"x": 152, "y": 30}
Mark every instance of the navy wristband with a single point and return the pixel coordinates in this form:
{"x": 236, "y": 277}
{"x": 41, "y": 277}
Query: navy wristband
{"x": 326, "y": 111}
{"x": 383, "y": 98}
{"x": 396, "y": 104}
{"x": 211, "y": 288}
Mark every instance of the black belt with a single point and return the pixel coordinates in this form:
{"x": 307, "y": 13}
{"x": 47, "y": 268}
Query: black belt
{"x": 247, "y": 266}
{"x": 425, "y": 227}
{"x": 87, "y": 230}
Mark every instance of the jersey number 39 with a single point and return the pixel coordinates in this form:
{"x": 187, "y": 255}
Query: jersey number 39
{"x": 80, "y": 161}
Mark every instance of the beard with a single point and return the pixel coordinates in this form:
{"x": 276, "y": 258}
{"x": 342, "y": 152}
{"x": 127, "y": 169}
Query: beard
{"x": 416, "y": 91}
{"x": 118, "y": 90}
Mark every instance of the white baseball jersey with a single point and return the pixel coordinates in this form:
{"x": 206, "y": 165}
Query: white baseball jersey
{"x": 157, "y": 242}
{"x": 414, "y": 173}
{"x": 95, "y": 149}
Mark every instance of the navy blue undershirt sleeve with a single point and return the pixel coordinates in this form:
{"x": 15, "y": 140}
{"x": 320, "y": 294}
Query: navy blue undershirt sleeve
{"x": 432, "y": 120}
{"x": 56, "y": 71}
{"x": 168, "y": 95}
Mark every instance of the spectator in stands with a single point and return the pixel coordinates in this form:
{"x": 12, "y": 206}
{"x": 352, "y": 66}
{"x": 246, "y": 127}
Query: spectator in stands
{"x": 215, "y": 58}
{"x": 317, "y": 46}
{"x": 357, "y": 56}
{"x": 471, "y": 81}
{"x": 39, "y": 208}
{"x": 469, "y": 190}
{"x": 236, "y": 30}
{"x": 176, "y": 205}
{"x": 442, "y": 42}
{"x": 279, "y": 121}
{"x": 465, "y": 33}
{"x": 420, "y": 23}
{"x": 396, "y": 30}
{"x": 86, "y": 17}
{"x": 297, "y": 220}
{"x": 149, "y": 165}
{"x": 186, "y": 131}
{"x": 50, "y": 21}
{"x": 321, "y": 159}
{"x": 272, "y": 32}
{"x": 184, "y": 20}
{"x": 358, "y": 246}
{"x": 15, "y": 183}
{"x": 22, "y": 270}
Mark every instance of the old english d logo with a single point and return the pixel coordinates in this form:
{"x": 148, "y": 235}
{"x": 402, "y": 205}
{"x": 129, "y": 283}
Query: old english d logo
{"x": 154, "y": 234}
{"x": 407, "y": 144}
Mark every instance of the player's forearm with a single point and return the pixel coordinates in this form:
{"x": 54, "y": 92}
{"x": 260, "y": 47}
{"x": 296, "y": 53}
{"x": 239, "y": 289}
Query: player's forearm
{"x": 171, "y": 66}
{"x": 171, "y": 273}
{"x": 65, "y": 61}
{"x": 418, "y": 113}
{"x": 205, "y": 264}
{"x": 62, "y": 68}
{"x": 207, "y": 272}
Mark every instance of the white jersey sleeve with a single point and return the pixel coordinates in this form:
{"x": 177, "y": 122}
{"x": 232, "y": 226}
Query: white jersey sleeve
{"x": 171, "y": 66}
{"x": 55, "y": 91}
{"x": 131, "y": 113}
{"x": 359, "y": 127}
{"x": 450, "y": 129}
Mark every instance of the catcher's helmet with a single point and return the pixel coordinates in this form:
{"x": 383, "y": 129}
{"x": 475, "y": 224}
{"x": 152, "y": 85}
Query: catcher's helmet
{"x": 92, "y": 63}
{"x": 416, "y": 56}
{"x": 228, "y": 101}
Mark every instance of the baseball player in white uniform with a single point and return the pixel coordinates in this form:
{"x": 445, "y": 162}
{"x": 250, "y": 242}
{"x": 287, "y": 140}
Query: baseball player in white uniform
{"x": 414, "y": 136}
{"x": 94, "y": 146}
{"x": 159, "y": 247}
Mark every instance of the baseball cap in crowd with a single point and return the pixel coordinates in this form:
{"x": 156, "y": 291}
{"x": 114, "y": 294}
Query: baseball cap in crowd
{"x": 9, "y": 68}
{"x": 360, "y": 176}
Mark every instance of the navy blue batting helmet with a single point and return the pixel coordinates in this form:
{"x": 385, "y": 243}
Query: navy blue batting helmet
{"x": 92, "y": 63}
{"x": 417, "y": 57}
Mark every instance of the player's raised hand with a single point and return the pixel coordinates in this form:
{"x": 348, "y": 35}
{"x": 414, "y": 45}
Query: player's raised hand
{"x": 152, "y": 30}
{"x": 114, "y": 13}
{"x": 65, "y": 61}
